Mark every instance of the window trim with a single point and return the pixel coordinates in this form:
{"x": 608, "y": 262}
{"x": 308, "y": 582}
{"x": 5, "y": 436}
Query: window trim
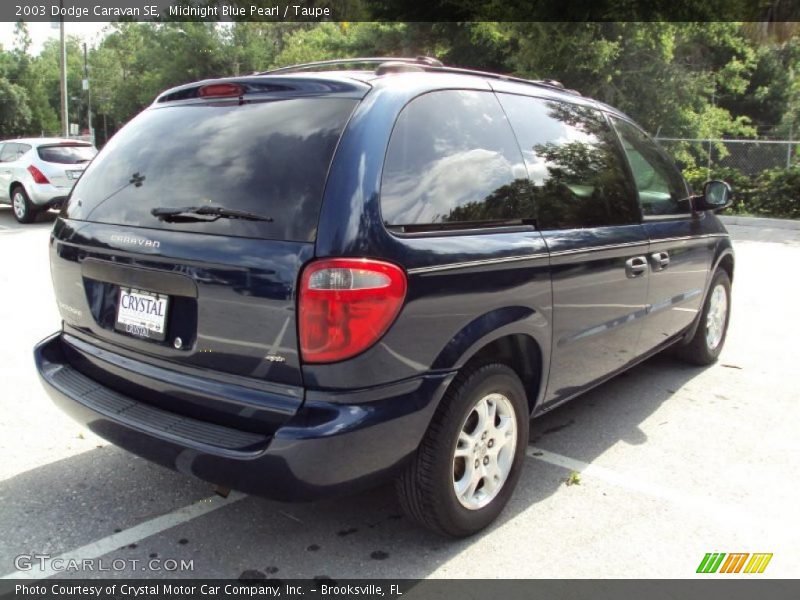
{"x": 610, "y": 117}
{"x": 462, "y": 228}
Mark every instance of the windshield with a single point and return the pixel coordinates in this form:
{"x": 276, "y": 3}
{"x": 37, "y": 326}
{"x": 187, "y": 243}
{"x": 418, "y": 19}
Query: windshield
{"x": 268, "y": 158}
{"x": 67, "y": 154}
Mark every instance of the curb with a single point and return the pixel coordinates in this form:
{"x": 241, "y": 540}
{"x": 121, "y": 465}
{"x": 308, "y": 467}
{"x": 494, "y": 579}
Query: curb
{"x": 761, "y": 222}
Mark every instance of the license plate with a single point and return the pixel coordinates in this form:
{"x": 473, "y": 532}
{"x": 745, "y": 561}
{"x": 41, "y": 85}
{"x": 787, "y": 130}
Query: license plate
{"x": 142, "y": 314}
{"x": 74, "y": 174}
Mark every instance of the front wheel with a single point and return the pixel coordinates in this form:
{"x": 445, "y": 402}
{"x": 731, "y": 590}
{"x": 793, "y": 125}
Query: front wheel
{"x": 470, "y": 460}
{"x": 706, "y": 344}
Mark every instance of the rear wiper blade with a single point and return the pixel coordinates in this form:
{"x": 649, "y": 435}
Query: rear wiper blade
{"x": 205, "y": 213}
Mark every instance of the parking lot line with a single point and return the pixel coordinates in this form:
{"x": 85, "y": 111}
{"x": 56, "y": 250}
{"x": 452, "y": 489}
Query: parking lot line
{"x": 129, "y": 536}
{"x": 635, "y": 483}
{"x": 204, "y": 506}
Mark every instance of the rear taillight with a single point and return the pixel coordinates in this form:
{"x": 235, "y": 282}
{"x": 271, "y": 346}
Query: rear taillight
{"x": 346, "y": 305}
{"x": 38, "y": 176}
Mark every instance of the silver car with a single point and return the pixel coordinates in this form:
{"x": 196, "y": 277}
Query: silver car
{"x": 38, "y": 173}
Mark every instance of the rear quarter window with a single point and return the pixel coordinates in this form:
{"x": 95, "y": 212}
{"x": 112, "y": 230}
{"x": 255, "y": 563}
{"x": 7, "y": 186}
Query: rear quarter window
{"x": 8, "y": 152}
{"x": 270, "y": 158}
{"x": 452, "y": 159}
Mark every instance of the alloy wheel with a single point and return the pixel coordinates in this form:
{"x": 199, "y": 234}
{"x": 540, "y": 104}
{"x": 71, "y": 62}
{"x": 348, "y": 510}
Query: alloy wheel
{"x": 716, "y": 317}
{"x": 484, "y": 452}
{"x": 19, "y": 205}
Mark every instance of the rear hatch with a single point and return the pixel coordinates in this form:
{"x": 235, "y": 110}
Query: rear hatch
{"x": 181, "y": 245}
{"x": 64, "y": 163}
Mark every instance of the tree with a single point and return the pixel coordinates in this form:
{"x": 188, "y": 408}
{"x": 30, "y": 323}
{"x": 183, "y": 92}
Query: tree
{"x": 43, "y": 117}
{"x": 345, "y": 40}
{"x": 663, "y": 74}
{"x": 45, "y": 74}
{"x": 15, "y": 115}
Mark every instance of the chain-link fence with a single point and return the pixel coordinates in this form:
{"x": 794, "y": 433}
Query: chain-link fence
{"x": 748, "y": 157}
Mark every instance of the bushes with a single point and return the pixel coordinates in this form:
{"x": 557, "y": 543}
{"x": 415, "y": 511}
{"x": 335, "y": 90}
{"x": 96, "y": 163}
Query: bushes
{"x": 771, "y": 193}
{"x": 777, "y": 193}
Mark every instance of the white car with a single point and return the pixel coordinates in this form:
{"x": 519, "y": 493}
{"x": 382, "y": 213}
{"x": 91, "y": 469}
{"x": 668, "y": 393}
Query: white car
{"x": 37, "y": 174}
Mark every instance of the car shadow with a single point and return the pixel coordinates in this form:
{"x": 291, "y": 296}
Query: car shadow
{"x": 77, "y": 500}
{"x": 9, "y": 224}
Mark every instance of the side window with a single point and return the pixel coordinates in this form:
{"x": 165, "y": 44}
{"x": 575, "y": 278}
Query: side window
{"x": 576, "y": 169}
{"x": 9, "y": 153}
{"x": 452, "y": 159}
{"x": 22, "y": 149}
{"x": 658, "y": 182}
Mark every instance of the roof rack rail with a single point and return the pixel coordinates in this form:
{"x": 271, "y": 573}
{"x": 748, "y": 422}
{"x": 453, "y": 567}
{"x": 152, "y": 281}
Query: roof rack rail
{"x": 551, "y": 83}
{"x": 389, "y": 64}
{"x": 369, "y": 60}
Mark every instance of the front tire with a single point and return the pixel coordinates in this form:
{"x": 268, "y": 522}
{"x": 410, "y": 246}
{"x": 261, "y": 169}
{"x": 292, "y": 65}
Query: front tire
{"x": 706, "y": 344}
{"x": 471, "y": 457}
{"x": 24, "y": 211}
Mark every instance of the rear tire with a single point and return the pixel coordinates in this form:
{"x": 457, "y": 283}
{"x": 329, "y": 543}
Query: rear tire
{"x": 24, "y": 211}
{"x": 482, "y": 420}
{"x": 706, "y": 344}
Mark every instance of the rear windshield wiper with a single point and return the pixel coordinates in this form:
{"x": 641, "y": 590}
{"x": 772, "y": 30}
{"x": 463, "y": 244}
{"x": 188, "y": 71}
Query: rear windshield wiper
{"x": 188, "y": 214}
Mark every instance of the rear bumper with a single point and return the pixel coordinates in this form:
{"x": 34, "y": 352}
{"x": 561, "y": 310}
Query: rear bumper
{"x": 329, "y": 447}
{"x": 47, "y": 195}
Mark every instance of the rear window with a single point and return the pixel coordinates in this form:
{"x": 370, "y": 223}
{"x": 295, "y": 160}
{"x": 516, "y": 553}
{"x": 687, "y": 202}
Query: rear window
{"x": 269, "y": 158}
{"x": 67, "y": 154}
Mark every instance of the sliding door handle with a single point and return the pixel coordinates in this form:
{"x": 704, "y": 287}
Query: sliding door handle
{"x": 660, "y": 260}
{"x": 636, "y": 266}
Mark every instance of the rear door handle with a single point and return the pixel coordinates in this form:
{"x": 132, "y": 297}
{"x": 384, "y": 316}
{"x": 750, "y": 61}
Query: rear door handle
{"x": 636, "y": 266}
{"x": 660, "y": 260}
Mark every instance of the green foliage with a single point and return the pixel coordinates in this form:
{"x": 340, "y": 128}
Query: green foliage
{"x": 22, "y": 70}
{"x": 662, "y": 74}
{"x": 252, "y": 47}
{"x": 776, "y": 193}
{"x": 346, "y": 40}
{"x": 15, "y": 115}
{"x": 771, "y": 193}
{"x": 45, "y": 73}
{"x": 137, "y": 61}
{"x": 742, "y": 185}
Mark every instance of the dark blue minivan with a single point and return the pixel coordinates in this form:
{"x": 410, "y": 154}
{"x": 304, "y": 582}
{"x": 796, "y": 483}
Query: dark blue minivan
{"x": 317, "y": 279}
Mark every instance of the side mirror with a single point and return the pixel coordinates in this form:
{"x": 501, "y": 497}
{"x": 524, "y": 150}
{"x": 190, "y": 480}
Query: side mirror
{"x": 717, "y": 195}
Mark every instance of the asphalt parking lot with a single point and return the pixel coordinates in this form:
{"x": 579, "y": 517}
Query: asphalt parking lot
{"x": 674, "y": 462}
